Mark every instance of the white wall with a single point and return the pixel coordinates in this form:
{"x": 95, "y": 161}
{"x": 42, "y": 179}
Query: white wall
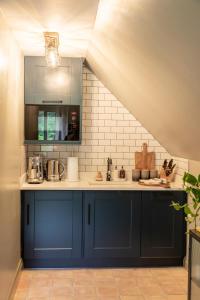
{"x": 147, "y": 53}
{"x": 11, "y": 137}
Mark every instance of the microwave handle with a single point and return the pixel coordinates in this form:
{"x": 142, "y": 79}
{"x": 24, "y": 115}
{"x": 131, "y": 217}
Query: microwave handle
{"x": 52, "y": 101}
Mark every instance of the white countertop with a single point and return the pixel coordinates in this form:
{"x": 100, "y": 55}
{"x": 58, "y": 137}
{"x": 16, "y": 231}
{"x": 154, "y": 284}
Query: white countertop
{"x": 92, "y": 185}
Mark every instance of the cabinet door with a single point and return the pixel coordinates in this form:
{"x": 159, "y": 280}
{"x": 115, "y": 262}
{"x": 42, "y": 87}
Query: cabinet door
{"x": 60, "y": 85}
{"x": 163, "y": 228}
{"x": 52, "y": 224}
{"x": 112, "y": 224}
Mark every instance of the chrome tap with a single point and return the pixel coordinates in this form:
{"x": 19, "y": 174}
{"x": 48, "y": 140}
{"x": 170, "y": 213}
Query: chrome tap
{"x": 108, "y": 174}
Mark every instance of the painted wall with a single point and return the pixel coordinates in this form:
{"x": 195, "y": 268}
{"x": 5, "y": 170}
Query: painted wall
{"x": 11, "y": 136}
{"x": 146, "y": 52}
{"x": 109, "y": 130}
{"x": 194, "y": 167}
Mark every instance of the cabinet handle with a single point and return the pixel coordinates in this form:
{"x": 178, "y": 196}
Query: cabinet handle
{"x": 89, "y": 211}
{"x": 28, "y": 214}
{"x": 52, "y": 101}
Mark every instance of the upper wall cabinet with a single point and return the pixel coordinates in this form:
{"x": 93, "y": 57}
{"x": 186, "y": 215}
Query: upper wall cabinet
{"x": 51, "y": 86}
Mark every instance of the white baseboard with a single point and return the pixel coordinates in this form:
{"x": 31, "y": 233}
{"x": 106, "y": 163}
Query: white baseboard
{"x": 15, "y": 280}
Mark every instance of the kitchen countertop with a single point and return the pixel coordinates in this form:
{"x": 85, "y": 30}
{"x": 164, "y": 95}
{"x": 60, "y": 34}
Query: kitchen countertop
{"x": 92, "y": 185}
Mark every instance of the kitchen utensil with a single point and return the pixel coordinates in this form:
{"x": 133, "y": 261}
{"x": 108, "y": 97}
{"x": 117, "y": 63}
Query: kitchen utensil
{"x": 144, "y": 159}
{"x": 55, "y": 170}
{"x": 167, "y": 170}
{"x": 35, "y": 170}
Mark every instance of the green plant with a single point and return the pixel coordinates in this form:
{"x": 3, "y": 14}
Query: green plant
{"x": 192, "y": 187}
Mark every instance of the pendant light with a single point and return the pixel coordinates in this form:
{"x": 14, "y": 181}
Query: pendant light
{"x": 51, "y": 49}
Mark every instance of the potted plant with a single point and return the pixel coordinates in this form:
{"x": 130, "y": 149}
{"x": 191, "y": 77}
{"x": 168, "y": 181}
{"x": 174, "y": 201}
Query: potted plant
{"x": 191, "y": 209}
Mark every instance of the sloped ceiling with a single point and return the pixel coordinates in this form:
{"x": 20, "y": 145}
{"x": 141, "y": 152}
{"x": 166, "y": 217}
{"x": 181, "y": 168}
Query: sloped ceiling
{"x": 147, "y": 52}
{"x": 28, "y": 19}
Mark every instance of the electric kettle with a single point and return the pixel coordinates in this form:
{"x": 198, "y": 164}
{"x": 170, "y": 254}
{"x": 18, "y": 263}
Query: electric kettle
{"x": 55, "y": 170}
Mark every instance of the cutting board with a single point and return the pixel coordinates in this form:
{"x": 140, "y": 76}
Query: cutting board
{"x": 144, "y": 160}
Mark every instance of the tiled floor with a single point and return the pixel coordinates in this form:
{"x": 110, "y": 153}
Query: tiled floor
{"x": 103, "y": 284}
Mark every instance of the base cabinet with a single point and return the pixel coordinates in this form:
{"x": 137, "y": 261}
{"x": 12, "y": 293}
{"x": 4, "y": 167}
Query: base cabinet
{"x": 112, "y": 224}
{"x": 52, "y": 225}
{"x": 162, "y": 227}
{"x": 102, "y": 229}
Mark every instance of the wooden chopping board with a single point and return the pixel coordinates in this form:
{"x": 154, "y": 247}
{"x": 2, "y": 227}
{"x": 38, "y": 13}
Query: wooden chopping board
{"x": 144, "y": 160}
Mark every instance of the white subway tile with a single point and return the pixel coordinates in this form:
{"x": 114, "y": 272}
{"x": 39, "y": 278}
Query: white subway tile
{"x": 46, "y": 148}
{"x": 117, "y": 129}
{"x": 104, "y": 129}
{"x": 110, "y": 149}
{"x": 110, "y": 123}
{"x": 108, "y": 129}
{"x": 117, "y": 116}
{"x": 117, "y": 142}
{"x": 110, "y": 136}
{"x": 98, "y": 148}
{"x": 104, "y": 103}
{"x": 105, "y": 116}
{"x": 123, "y": 123}
{"x": 104, "y": 142}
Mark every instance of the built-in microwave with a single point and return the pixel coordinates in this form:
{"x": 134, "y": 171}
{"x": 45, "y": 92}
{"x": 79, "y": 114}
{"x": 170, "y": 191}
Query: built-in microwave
{"x": 52, "y": 123}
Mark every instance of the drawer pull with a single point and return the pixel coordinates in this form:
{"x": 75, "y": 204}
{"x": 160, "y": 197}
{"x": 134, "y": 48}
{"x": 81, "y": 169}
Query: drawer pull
{"x": 28, "y": 214}
{"x": 52, "y": 101}
{"x": 89, "y": 211}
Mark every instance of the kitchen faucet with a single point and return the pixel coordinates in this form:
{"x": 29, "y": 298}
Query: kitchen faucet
{"x": 108, "y": 174}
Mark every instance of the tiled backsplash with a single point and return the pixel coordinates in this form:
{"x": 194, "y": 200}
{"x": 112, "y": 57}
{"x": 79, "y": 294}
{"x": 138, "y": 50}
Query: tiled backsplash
{"x": 108, "y": 130}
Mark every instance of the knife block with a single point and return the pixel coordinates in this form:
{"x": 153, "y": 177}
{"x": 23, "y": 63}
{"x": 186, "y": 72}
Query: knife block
{"x": 163, "y": 175}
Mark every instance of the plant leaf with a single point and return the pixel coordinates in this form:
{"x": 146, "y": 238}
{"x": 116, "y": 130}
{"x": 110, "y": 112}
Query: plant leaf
{"x": 191, "y": 179}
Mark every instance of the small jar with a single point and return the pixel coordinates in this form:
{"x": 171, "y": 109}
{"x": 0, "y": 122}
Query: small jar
{"x": 145, "y": 174}
{"x": 136, "y": 173}
{"x": 153, "y": 174}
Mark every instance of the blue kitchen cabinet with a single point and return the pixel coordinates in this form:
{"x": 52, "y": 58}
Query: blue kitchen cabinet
{"x": 162, "y": 228}
{"x": 102, "y": 229}
{"x": 52, "y": 225}
{"x": 112, "y": 224}
{"x": 53, "y": 86}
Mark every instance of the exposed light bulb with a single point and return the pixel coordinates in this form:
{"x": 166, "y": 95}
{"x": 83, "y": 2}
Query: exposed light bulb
{"x": 51, "y": 49}
{"x": 52, "y": 57}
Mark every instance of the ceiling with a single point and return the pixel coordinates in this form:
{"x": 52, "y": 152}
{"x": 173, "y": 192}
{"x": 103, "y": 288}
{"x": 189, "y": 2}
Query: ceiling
{"x": 146, "y": 52}
{"x": 28, "y": 19}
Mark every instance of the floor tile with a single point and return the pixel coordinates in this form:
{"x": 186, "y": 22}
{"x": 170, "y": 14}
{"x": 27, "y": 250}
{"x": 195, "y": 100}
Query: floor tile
{"x": 107, "y": 291}
{"x": 36, "y": 292}
{"x": 130, "y": 290}
{"x": 84, "y": 291}
{"x": 62, "y": 291}
{"x": 103, "y": 284}
{"x": 152, "y": 290}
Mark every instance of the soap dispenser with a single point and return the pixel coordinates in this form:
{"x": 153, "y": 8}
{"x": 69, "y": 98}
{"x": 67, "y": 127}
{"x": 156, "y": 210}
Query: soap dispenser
{"x": 115, "y": 174}
{"x": 122, "y": 173}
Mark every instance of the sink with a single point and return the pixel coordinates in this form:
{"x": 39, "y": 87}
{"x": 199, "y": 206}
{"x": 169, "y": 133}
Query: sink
{"x": 110, "y": 182}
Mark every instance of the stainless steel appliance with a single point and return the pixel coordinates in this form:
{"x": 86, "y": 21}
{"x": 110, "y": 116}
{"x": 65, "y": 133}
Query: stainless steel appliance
{"x": 35, "y": 170}
{"x": 55, "y": 170}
